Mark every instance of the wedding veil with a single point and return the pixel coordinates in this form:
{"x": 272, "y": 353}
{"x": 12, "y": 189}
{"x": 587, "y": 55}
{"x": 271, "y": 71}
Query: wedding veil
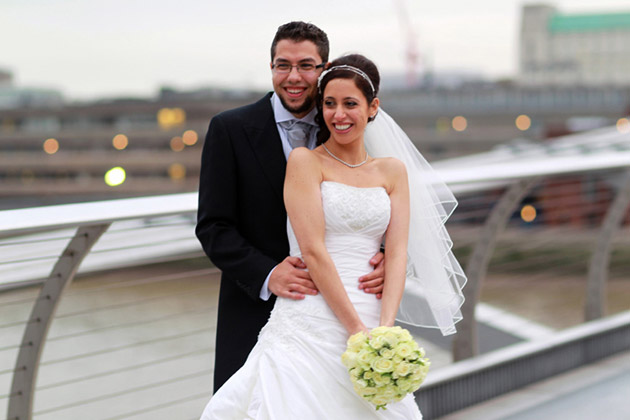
{"x": 433, "y": 290}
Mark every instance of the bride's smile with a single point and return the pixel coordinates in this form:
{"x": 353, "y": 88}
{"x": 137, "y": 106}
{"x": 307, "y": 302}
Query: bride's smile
{"x": 346, "y": 111}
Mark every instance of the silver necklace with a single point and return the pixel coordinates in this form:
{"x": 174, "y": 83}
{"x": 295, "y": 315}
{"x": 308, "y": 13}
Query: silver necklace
{"x": 344, "y": 162}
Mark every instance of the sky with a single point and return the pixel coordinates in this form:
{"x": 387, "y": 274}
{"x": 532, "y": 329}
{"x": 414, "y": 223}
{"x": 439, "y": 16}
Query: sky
{"x": 90, "y": 49}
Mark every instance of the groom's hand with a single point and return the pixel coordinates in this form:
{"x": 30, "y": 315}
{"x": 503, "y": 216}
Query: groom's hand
{"x": 373, "y": 282}
{"x": 290, "y": 280}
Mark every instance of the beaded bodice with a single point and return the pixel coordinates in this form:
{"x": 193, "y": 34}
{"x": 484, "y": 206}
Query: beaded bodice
{"x": 356, "y": 220}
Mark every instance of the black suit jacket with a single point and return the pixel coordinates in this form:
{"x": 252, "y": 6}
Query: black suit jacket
{"x": 241, "y": 223}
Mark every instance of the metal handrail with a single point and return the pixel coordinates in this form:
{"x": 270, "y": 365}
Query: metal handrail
{"x": 472, "y": 178}
{"x": 471, "y": 381}
{"x": 47, "y": 218}
{"x": 91, "y": 220}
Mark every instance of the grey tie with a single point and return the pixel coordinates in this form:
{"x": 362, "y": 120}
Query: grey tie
{"x": 298, "y": 132}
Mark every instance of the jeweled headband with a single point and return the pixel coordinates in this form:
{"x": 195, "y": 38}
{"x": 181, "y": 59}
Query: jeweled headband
{"x": 348, "y": 68}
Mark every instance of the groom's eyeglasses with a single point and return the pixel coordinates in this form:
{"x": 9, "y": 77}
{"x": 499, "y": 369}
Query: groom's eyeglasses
{"x": 301, "y": 68}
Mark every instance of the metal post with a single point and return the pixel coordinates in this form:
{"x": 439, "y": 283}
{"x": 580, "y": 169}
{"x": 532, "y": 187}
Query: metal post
{"x": 595, "y": 306}
{"x": 25, "y": 375}
{"x": 465, "y": 342}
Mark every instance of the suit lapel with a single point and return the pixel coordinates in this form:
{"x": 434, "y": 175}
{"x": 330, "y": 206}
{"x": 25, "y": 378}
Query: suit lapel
{"x": 265, "y": 141}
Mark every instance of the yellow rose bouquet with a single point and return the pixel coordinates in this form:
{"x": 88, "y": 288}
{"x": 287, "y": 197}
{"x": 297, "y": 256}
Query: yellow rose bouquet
{"x": 386, "y": 365}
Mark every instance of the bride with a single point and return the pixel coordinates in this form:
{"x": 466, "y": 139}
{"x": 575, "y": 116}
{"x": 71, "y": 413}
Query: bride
{"x": 341, "y": 202}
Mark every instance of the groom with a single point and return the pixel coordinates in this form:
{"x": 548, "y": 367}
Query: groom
{"x": 241, "y": 221}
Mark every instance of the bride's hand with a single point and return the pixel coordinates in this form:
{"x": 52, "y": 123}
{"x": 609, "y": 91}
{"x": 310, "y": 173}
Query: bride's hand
{"x": 359, "y": 328}
{"x": 387, "y": 323}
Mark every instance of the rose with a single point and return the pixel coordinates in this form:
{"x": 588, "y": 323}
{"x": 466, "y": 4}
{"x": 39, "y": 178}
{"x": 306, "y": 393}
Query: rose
{"x": 389, "y": 391}
{"x": 361, "y": 383}
{"x": 391, "y": 339}
{"x": 405, "y": 335}
{"x": 378, "y": 331}
{"x": 356, "y": 341}
{"x": 404, "y": 349}
{"x": 355, "y": 372}
{"x": 368, "y": 390}
{"x": 381, "y": 380}
{"x": 418, "y": 373}
{"x": 379, "y": 401}
{"x": 382, "y": 365}
{"x": 387, "y": 353}
{"x": 349, "y": 359}
{"x": 378, "y": 342}
{"x": 365, "y": 358}
{"x": 402, "y": 369}
{"x": 404, "y": 384}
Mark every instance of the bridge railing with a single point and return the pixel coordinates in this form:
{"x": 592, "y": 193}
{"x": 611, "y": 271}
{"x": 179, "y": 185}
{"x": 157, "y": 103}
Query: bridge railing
{"x": 138, "y": 343}
{"x": 120, "y": 341}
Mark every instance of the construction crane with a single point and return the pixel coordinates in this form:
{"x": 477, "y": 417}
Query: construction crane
{"x": 412, "y": 57}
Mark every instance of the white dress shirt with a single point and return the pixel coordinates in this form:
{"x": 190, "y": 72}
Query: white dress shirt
{"x": 281, "y": 114}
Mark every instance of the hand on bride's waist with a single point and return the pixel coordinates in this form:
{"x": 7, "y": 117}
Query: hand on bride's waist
{"x": 290, "y": 280}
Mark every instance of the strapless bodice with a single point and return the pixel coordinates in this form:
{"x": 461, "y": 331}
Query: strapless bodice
{"x": 356, "y": 219}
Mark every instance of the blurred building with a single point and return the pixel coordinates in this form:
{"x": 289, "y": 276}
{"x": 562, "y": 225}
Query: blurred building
{"x": 12, "y": 96}
{"x": 106, "y": 149}
{"x": 143, "y": 146}
{"x": 574, "y": 49}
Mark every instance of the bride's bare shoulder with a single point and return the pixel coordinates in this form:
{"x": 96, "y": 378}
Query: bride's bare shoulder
{"x": 302, "y": 156}
{"x": 303, "y": 163}
{"x": 391, "y": 168}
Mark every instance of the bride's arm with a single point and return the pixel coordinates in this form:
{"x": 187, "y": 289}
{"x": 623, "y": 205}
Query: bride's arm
{"x": 395, "y": 242}
{"x": 303, "y": 201}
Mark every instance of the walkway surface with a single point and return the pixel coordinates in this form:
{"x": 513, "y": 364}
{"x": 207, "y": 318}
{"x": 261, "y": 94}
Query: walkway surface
{"x": 597, "y": 391}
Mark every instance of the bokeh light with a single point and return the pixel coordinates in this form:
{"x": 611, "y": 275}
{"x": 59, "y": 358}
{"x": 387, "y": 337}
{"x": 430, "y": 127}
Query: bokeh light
{"x": 443, "y": 125}
{"x": 51, "y": 146}
{"x": 120, "y": 141}
{"x": 115, "y": 176}
{"x": 459, "y": 123}
{"x": 171, "y": 117}
{"x": 623, "y": 125}
{"x": 190, "y": 137}
{"x": 528, "y": 213}
{"x": 523, "y": 122}
{"x": 177, "y": 171}
{"x": 177, "y": 144}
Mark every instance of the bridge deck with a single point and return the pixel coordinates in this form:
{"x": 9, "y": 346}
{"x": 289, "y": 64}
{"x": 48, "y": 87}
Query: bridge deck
{"x": 599, "y": 390}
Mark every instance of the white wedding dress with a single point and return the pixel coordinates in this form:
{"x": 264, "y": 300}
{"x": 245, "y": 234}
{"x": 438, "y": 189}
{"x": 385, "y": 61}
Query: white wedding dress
{"x": 295, "y": 370}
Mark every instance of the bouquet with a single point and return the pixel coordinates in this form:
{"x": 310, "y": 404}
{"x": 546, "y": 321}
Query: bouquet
{"x": 386, "y": 365}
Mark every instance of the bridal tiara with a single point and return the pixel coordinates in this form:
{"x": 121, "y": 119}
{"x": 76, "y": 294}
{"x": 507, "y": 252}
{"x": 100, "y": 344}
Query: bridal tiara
{"x": 348, "y": 68}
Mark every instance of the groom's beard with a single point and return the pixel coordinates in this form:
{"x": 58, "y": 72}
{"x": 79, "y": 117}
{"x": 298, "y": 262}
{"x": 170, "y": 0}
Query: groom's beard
{"x": 306, "y": 106}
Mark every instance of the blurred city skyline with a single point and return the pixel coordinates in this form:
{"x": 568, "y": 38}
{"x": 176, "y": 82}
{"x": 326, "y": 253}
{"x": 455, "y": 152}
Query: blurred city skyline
{"x": 98, "y": 49}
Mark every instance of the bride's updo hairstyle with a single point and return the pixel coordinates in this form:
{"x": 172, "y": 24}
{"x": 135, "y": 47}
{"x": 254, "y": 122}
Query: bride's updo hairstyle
{"x": 369, "y": 88}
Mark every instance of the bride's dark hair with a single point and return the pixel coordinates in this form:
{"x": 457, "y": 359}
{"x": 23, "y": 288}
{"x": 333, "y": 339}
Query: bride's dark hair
{"x": 355, "y": 60}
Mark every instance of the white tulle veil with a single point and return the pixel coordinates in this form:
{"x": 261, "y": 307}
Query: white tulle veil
{"x": 433, "y": 290}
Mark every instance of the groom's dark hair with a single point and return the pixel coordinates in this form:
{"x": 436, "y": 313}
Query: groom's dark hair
{"x": 302, "y": 31}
